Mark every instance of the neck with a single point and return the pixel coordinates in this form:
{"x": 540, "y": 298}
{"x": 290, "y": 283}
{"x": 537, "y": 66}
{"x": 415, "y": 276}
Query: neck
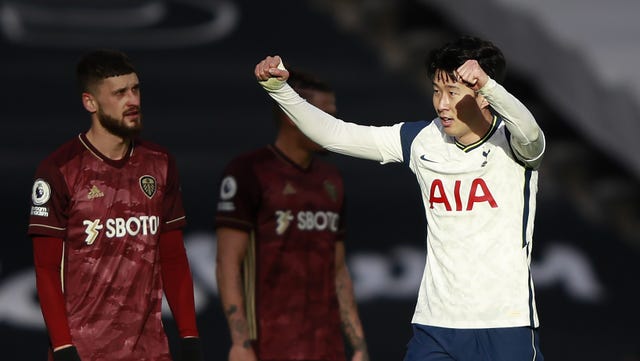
{"x": 111, "y": 146}
{"x": 294, "y": 151}
{"x": 478, "y": 128}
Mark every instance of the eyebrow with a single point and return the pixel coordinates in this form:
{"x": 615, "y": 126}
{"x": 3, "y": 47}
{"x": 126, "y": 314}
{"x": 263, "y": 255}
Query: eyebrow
{"x": 448, "y": 86}
{"x": 119, "y": 90}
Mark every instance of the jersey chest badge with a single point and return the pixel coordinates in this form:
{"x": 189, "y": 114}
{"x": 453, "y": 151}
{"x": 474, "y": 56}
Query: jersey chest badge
{"x": 148, "y": 185}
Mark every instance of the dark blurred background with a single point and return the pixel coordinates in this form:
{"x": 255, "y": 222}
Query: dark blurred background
{"x": 570, "y": 62}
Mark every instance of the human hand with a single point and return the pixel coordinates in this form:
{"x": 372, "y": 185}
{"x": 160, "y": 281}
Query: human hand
{"x": 471, "y": 74}
{"x": 242, "y": 353}
{"x": 271, "y": 73}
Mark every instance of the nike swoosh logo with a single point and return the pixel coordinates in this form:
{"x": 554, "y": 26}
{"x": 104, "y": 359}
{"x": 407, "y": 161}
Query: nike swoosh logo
{"x": 423, "y": 157}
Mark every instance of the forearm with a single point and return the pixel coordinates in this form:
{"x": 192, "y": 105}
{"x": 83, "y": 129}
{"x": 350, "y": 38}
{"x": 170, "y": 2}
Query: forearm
{"x": 177, "y": 282}
{"x": 53, "y": 309}
{"x": 351, "y": 325}
{"x": 47, "y": 254}
{"x": 526, "y": 136}
{"x": 178, "y": 287}
{"x": 331, "y": 133}
{"x": 233, "y": 302}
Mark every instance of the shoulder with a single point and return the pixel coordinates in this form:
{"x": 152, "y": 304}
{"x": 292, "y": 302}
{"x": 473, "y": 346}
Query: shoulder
{"x": 256, "y": 155}
{"x": 153, "y": 152}
{"x": 410, "y": 130}
{"x": 56, "y": 169}
{"x": 64, "y": 153}
{"x": 325, "y": 166}
{"x": 246, "y": 162}
{"x": 417, "y": 124}
{"x": 425, "y": 130}
{"x": 251, "y": 157}
{"x": 148, "y": 146}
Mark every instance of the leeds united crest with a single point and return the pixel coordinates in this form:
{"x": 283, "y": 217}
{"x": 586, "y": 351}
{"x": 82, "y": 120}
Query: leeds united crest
{"x": 148, "y": 185}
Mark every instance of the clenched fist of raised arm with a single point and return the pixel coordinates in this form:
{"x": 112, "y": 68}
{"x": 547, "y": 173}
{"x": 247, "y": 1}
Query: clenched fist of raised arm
{"x": 271, "y": 73}
{"x": 472, "y": 75}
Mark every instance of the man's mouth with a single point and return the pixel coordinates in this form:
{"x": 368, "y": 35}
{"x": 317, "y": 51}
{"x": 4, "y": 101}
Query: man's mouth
{"x": 446, "y": 121}
{"x": 132, "y": 113}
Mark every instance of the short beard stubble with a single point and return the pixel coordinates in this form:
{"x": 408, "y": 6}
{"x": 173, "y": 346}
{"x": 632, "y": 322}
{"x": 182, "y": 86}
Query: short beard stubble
{"x": 115, "y": 126}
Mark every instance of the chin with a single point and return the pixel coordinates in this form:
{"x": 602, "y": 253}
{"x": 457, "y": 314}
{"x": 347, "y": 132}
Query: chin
{"x": 449, "y": 132}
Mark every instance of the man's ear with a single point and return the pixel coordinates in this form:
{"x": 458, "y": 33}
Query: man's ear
{"x": 89, "y": 103}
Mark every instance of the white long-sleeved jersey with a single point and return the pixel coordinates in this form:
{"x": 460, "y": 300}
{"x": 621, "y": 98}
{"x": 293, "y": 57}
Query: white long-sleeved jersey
{"x": 479, "y": 200}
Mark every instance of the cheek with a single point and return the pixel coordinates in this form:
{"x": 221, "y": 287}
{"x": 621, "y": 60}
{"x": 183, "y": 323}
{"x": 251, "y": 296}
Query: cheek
{"x": 435, "y": 99}
{"x": 454, "y": 104}
{"x": 112, "y": 109}
{"x": 118, "y": 106}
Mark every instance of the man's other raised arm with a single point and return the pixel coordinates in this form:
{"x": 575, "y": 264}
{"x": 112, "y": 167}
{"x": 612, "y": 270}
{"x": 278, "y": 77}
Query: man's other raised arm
{"x": 381, "y": 144}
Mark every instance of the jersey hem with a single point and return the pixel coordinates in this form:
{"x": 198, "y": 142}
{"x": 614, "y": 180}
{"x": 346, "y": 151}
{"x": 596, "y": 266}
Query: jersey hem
{"x": 476, "y": 324}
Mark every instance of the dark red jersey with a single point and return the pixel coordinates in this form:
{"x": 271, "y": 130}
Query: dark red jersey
{"x": 110, "y": 215}
{"x": 295, "y": 218}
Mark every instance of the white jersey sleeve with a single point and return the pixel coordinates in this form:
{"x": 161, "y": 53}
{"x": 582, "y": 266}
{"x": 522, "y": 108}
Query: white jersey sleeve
{"x": 527, "y": 139}
{"x": 381, "y": 144}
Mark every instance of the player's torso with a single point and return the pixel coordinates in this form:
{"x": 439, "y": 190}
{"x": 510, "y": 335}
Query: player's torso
{"x": 111, "y": 276}
{"x": 479, "y": 202}
{"x": 300, "y": 205}
{"x": 298, "y": 225}
{"x": 463, "y": 187}
{"x": 114, "y": 205}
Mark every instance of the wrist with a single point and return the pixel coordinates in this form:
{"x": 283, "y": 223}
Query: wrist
{"x": 243, "y": 343}
{"x": 62, "y": 346}
{"x": 191, "y": 349}
{"x": 490, "y": 84}
{"x": 66, "y": 353}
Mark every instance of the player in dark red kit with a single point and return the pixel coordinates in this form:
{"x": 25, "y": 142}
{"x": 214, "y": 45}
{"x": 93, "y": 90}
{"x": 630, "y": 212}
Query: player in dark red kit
{"x": 282, "y": 276}
{"x": 106, "y": 223}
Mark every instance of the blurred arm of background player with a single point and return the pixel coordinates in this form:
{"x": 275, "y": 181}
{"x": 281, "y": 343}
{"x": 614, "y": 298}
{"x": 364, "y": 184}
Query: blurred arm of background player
{"x": 232, "y": 247}
{"x": 351, "y": 325}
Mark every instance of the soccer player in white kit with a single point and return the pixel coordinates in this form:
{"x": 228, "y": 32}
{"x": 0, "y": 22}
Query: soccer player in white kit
{"x": 476, "y": 164}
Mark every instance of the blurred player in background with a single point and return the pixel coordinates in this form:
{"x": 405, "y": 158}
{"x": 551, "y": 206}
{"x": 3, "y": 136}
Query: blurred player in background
{"x": 281, "y": 270}
{"x": 106, "y": 223}
{"x": 476, "y": 164}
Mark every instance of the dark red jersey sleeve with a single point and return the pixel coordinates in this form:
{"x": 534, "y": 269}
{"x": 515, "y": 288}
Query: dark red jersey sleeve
{"x": 177, "y": 282}
{"x": 174, "y": 215}
{"x": 49, "y": 202}
{"x": 47, "y": 256}
{"x": 239, "y": 196}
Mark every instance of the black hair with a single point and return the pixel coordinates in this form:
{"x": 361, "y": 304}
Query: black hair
{"x": 100, "y": 64}
{"x": 452, "y": 55}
